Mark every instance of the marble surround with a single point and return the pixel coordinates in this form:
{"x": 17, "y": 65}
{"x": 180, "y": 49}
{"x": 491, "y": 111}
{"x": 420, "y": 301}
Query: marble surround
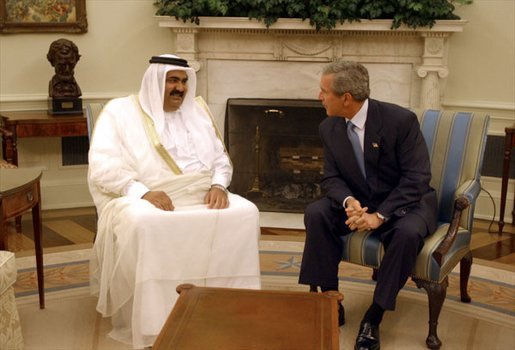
{"x": 241, "y": 58}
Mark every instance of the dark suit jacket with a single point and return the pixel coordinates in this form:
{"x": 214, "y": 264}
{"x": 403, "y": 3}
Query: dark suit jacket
{"x": 396, "y": 162}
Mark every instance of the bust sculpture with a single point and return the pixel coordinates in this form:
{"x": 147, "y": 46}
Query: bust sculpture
{"x": 63, "y": 54}
{"x": 63, "y": 90}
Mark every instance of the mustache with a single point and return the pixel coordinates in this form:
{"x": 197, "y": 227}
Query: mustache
{"x": 177, "y": 93}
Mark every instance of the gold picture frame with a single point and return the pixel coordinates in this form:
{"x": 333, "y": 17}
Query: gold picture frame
{"x": 43, "y": 16}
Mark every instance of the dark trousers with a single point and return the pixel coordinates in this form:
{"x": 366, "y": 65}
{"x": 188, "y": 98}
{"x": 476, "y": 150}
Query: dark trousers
{"x": 402, "y": 237}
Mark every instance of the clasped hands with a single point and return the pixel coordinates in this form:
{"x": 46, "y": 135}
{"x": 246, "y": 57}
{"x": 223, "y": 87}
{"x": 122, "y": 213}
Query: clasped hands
{"x": 358, "y": 218}
{"x": 215, "y": 198}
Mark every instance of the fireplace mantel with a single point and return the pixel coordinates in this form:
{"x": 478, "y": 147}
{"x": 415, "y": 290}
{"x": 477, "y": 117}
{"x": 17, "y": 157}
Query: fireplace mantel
{"x": 297, "y": 24}
{"x": 407, "y": 66}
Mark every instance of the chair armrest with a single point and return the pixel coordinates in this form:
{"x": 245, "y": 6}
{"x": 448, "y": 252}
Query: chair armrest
{"x": 469, "y": 189}
{"x": 460, "y": 204}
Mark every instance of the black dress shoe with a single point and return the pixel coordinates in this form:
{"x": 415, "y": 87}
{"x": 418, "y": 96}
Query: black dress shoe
{"x": 341, "y": 315}
{"x": 368, "y": 337}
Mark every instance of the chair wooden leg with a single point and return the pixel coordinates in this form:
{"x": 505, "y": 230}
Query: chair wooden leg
{"x": 436, "y": 293}
{"x": 465, "y": 266}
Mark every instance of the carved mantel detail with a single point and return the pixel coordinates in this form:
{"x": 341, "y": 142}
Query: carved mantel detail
{"x": 294, "y": 40}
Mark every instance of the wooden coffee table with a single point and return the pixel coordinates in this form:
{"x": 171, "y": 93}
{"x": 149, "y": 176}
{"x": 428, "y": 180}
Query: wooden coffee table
{"x": 223, "y": 318}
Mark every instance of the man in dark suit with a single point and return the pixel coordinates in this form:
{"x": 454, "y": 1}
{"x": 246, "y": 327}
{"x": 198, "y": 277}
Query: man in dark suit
{"x": 376, "y": 176}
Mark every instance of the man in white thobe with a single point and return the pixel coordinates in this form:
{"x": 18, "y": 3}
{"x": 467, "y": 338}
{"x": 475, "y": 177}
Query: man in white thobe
{"x": 158, "y": 173}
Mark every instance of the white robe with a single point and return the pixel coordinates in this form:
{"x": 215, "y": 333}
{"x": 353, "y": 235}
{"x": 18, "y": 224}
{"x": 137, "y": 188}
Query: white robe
{"x": 141, "y": 253}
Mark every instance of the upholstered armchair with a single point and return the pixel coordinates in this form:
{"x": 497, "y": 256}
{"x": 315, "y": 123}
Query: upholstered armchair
{"x": 92, "y": 112}
{"x": 10, "y": 328}
{"x": 4, "y": 164}
{"x": 456, "y": 143}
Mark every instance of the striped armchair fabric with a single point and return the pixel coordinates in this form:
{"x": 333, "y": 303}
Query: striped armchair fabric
{"x": 92, "y": 112}
{"x": 6, "y": 165}
{"x": 10, "y": 328}
{"x": 456, "y": 143}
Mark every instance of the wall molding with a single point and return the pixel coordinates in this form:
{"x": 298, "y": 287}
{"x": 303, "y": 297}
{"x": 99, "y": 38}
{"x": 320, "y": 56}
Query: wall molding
{"x": 488, "y": 105}
{"x": 502, "y": 114}
{"x": 33, "y": 102}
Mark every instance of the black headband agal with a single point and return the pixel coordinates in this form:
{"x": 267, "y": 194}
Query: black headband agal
{"x": 169, "y": 60}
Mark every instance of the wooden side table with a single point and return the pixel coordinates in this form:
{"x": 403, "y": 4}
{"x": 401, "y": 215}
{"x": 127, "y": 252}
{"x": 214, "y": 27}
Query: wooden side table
{"x": 19, "y": 192}
{"x": 230, "y": 319}
{"x": 509, "y": 144}
{"x": 37, "y": 124}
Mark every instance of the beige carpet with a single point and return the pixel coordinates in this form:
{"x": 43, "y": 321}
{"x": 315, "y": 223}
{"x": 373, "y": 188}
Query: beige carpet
{"x": 71, "y": 322}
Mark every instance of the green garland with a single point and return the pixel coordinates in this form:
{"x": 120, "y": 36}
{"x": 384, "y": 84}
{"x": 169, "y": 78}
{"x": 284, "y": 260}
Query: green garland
{"x": 322, "y": 14}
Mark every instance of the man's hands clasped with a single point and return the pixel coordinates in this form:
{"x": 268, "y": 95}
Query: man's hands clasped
{"x": 359, "y": 219}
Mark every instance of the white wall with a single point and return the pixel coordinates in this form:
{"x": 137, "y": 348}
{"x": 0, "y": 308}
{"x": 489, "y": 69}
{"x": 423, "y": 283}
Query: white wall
{"x": 122, "y": 35}
{"x": 482, "y": 62}
{"x": 482, "y": 78}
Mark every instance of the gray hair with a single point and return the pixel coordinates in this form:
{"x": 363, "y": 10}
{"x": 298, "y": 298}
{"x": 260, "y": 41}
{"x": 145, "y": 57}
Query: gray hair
{"x": 351, "y": 77}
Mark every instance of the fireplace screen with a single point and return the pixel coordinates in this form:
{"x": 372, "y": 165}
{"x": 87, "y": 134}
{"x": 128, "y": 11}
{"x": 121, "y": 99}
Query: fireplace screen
{"x": 276, "y": 151}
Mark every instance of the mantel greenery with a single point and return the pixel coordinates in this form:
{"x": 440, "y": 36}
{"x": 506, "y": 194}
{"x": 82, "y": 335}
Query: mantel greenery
{"x": 322, "y": 14}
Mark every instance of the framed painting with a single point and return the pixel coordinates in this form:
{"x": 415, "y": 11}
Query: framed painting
{"x": 43, "y": 16}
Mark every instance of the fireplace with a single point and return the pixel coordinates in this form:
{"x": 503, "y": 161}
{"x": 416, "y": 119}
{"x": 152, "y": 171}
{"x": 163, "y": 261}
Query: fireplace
{"x": 276, "y": 151}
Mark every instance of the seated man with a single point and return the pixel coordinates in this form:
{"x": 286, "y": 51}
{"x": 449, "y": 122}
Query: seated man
{"x": 376, "y": 177}
{"x": 158, "y": 173}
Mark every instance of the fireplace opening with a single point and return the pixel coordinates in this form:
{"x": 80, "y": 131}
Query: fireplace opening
{"x": 276, "y": 151}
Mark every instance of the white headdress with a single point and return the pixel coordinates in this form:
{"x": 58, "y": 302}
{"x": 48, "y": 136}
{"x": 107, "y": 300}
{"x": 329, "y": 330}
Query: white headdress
{"x": 151, "y": 97}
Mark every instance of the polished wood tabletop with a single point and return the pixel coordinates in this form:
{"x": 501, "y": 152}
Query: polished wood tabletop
{"x": 226, "y": 318}
{"x": 11, "y": 179}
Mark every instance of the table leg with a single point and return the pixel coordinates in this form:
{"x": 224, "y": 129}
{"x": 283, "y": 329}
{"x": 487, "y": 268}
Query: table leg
{"x": 36, "y": 219}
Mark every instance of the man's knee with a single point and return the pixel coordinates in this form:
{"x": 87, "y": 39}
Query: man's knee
{"x": 317, "y": 210}
{"x": 138, "y": 214}
{"x": 411, "y": 238}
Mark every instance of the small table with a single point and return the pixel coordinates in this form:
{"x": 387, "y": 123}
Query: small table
{"x": 224, "y": 318}
{"x": 509, "y": 144}
{"x": 19, "y": 192}
{"x": 37, "y": 124}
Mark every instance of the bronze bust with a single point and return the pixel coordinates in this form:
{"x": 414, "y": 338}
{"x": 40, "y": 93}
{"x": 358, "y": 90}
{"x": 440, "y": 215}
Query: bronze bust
{"x": 63, "y": 54}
